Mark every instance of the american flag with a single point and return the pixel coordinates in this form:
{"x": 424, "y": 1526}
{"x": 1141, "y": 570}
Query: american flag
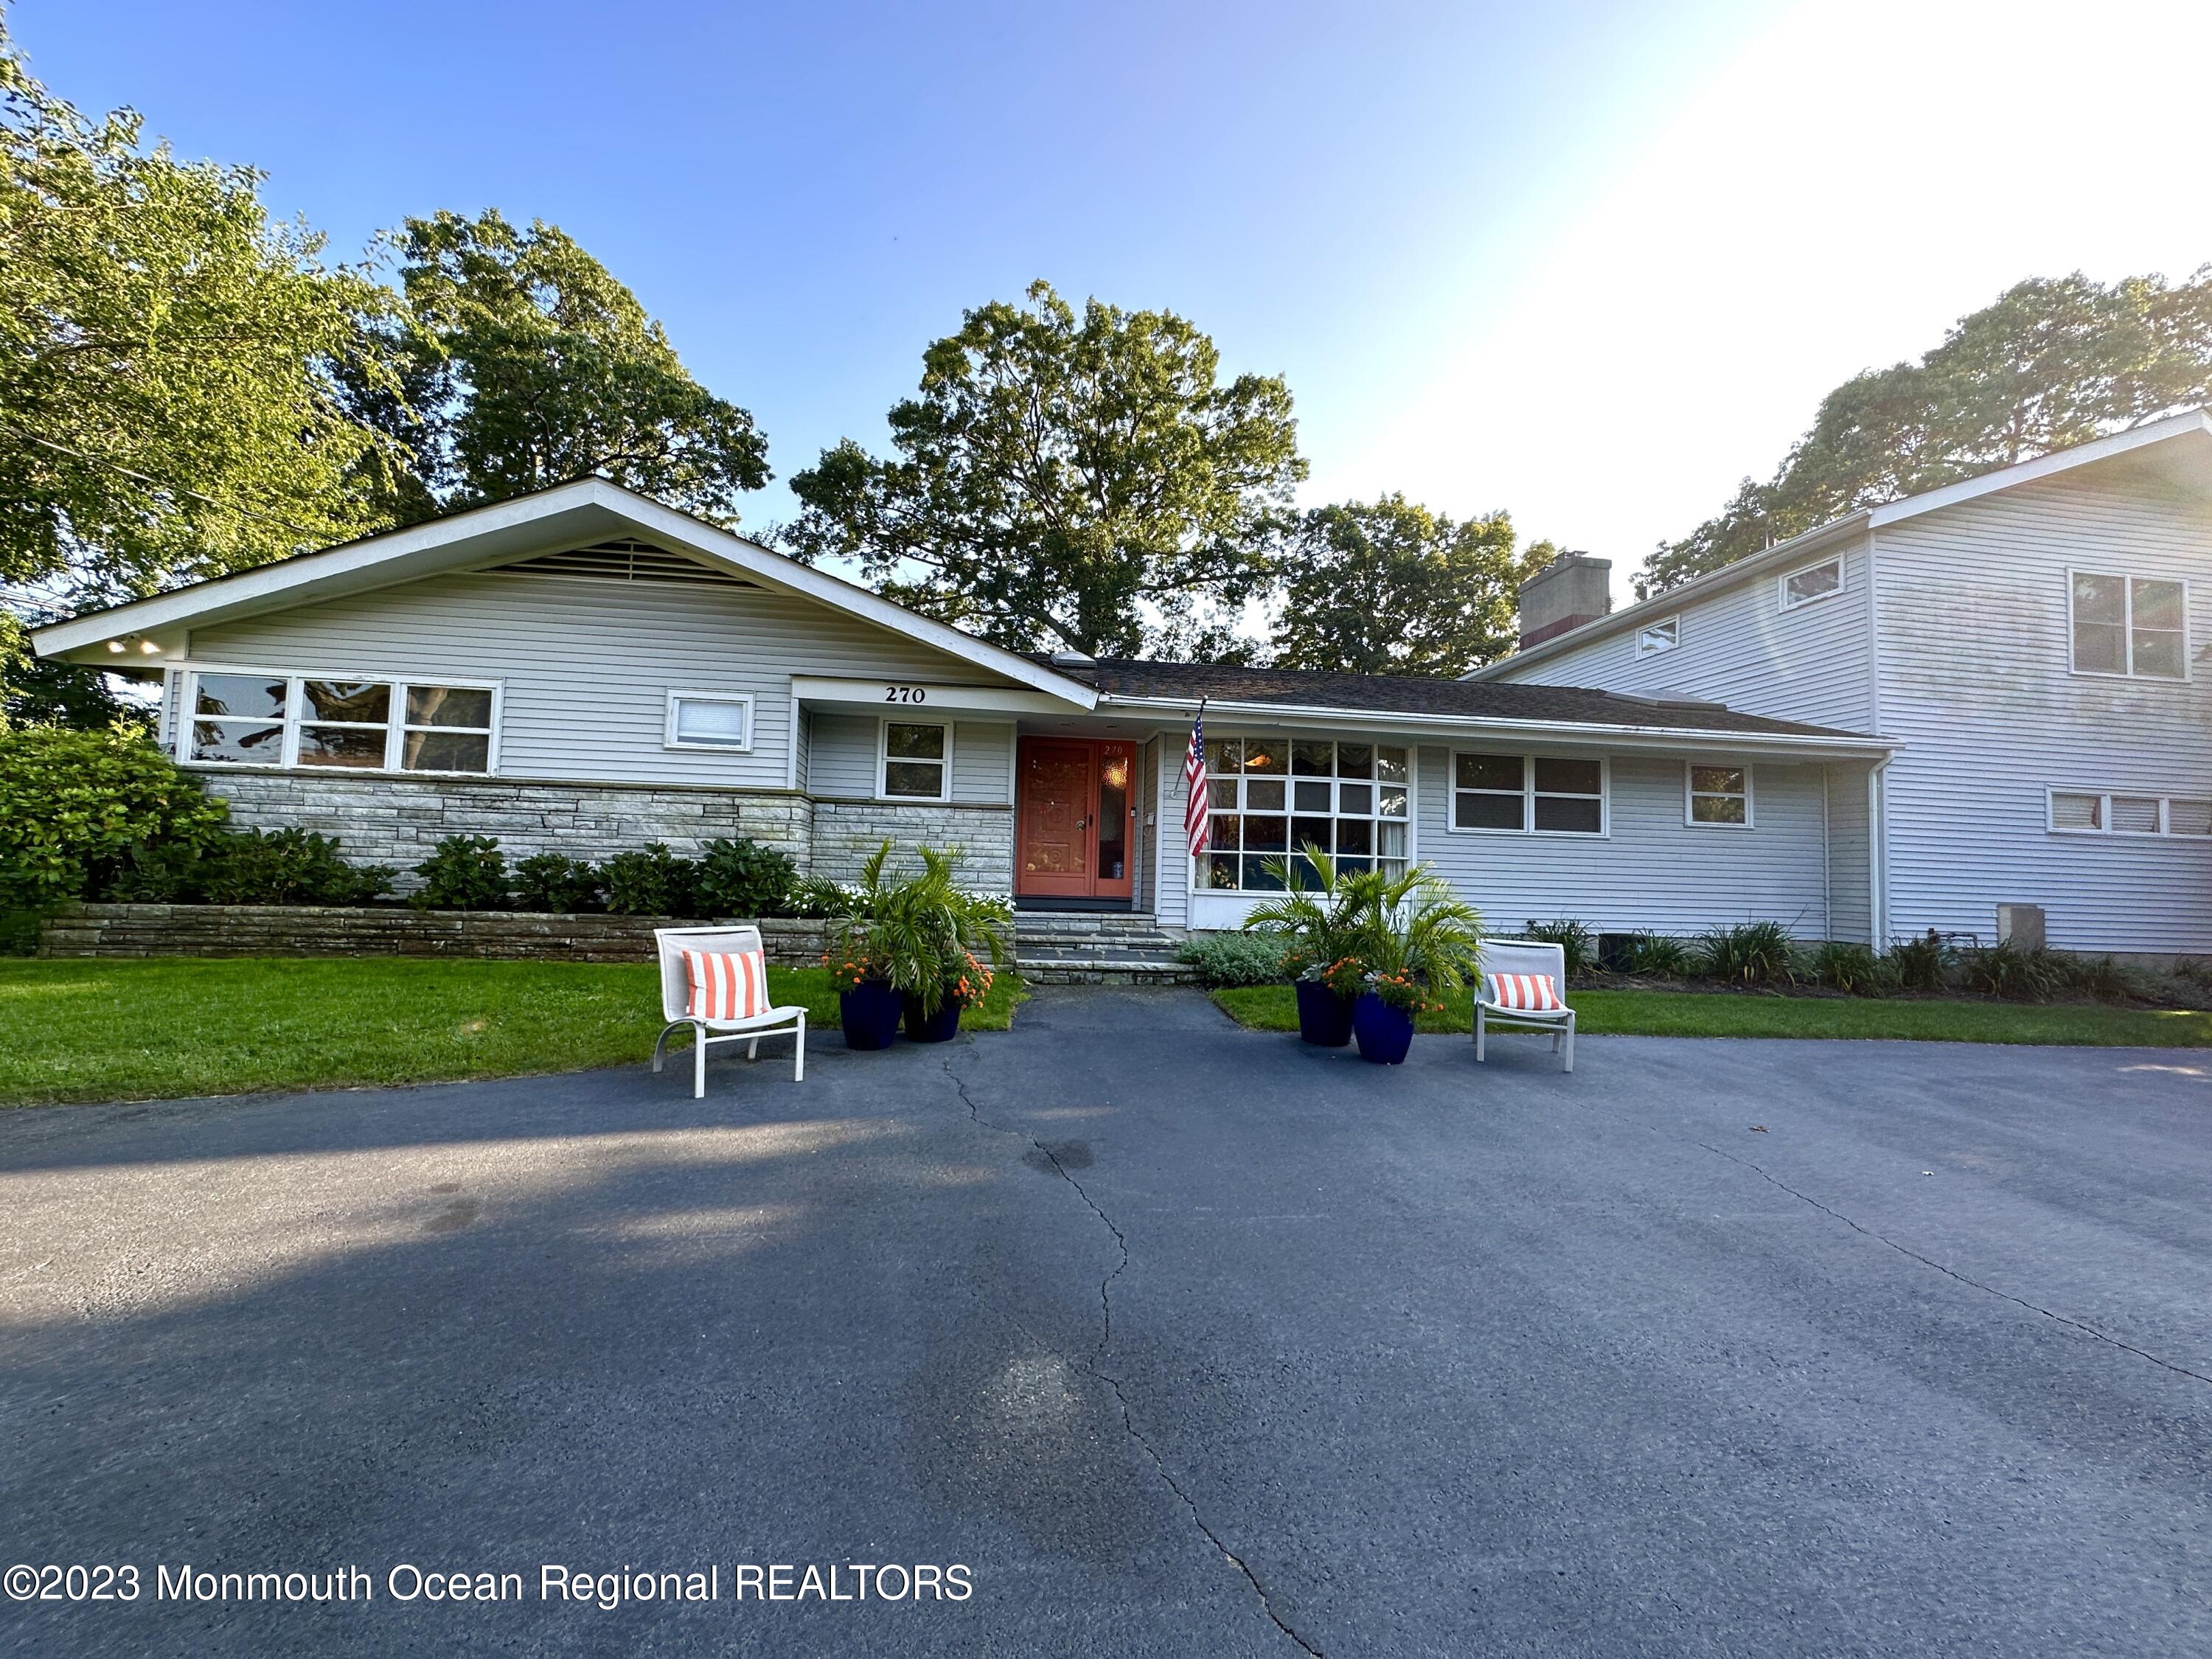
{"x": 1197, "y": 823}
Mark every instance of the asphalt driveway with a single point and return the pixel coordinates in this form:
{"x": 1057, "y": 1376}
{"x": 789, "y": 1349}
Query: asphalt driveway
{"x": 1177, "y": 1339}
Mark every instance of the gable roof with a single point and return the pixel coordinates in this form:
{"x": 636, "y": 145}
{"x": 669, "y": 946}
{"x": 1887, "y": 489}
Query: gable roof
{"x": 582, "y": 511}
{"x": 2190, "y": 431}
{"x": 1568, "y": 710}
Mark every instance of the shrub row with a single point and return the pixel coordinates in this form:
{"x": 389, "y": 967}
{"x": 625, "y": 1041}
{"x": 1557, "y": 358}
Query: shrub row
{"x": 1762, "y": 954}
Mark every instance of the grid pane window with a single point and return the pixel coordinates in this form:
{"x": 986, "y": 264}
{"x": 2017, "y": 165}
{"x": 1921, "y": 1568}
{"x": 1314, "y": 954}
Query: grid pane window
{"x": 2134, "y": 626}
{"x": 1273, "y": 797}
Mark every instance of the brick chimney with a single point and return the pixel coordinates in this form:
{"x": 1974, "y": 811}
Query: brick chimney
{"x": 1573, "y": 589}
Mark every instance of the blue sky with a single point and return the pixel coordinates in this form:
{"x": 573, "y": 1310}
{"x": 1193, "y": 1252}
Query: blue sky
{"x": 1591, "y": 262}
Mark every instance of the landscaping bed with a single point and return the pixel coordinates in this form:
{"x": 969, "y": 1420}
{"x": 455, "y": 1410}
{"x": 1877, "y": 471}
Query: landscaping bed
{"x": 168, "y": 1028}
{"x": 1718, "y": 1011}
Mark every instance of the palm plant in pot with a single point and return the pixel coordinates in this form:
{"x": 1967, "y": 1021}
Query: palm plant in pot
{"x": 1321, "y": 926}
{"x": 867, "y": 1002}
{"x": 931, "y": 938}
{"x": 1417, "y": 942}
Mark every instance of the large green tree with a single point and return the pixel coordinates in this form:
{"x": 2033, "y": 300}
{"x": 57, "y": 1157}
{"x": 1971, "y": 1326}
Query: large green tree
{"x": 1086, "y": 481}
{"x": 1390, "y": 587}
{"x": 525, "y": 363}
{"x": 167, "y": 401}
{"x": 2050, "y": 363}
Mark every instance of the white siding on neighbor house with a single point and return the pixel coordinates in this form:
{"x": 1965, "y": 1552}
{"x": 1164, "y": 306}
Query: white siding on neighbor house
{"x": 1740, "y": 647}
{"x": 1977, "y": 681}
{"x": 587, "y": 664}
{"x": 842, "y": 760}
{"x": 1653, "y": 873}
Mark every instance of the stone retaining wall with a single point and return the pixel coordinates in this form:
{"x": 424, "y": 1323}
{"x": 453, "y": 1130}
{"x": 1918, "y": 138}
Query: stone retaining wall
{"x": 286, "y": 930}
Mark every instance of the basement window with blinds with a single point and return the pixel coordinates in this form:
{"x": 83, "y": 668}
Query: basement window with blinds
{"x": 2102, "y": 812}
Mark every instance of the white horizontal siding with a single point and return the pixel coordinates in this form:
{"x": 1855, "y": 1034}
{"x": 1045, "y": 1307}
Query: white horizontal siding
{"x": 1976, "y": 680}
{"x": 983, "y": 762}
{"x": 587, "y": 665}
{"x": 842, "y": 763}
{"x": 1741, "y": 648}
{"x": 1654, "y": 872}
{"x": 1850, "y": 872}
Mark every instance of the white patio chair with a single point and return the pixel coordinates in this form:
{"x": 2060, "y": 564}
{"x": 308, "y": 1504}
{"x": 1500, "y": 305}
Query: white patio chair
{"x": 1522, "y": 956}
{"x": 676, "y": 1004}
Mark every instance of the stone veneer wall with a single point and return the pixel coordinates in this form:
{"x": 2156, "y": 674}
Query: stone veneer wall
{"x": 847, "y": 831}
{"x": 300, "y": 930}
{"x": 398, "y": 821}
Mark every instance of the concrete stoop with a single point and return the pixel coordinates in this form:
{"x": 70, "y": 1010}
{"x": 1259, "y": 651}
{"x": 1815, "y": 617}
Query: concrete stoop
{"x": 1097, "y": 948}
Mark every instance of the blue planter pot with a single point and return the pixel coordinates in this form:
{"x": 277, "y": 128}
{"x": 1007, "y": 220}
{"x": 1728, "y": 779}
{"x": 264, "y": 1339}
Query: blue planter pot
{"x": 942, "y": 1026}
{"x": 1324, "y": 1018}
{"x": 1385, "y": 1034}
{"x": 870, "y": 1015}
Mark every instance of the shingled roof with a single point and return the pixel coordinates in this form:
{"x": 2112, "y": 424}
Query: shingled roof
{"x": 1394, "y": 694}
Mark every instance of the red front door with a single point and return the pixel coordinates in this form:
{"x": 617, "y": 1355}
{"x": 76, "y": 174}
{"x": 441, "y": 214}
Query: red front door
{"x": 1073, "y": 816}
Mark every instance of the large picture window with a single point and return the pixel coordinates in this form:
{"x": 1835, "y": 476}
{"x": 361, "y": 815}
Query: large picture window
{"x": 1516, "y": 793}
{"x": 2130, "y": 625}
{"x": 259, "y": 719}
{"x": 1273, "y": 797}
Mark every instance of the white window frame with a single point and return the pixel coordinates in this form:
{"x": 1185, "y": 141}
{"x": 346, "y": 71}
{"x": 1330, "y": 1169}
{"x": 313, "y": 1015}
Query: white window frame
{"x": 679, "y": 694}
{"x": 883, "y": 754}
{"x": 1528, "y": 795}
{"x": 2104, "y": 797}
{"x": 1689, "y": 794}
{"x": 2127, "y": 581}
{"x": 1782, "y": 583}
{"x": 1654, "y": 639}
{"x": 188, "y": 717}
{"x": 1195, "y": 870}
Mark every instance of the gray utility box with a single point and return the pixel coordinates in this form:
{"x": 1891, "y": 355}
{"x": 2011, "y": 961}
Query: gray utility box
{"x": 2020, "y": 926}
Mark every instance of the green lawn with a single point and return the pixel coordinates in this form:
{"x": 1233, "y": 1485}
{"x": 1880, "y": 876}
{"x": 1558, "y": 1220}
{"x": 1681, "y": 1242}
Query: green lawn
{"x": 1693, "y": 1013}
{"x": 165, "y": 1028}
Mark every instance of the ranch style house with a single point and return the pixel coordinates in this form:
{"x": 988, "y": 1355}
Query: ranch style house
{"x": 1983, "y": 695}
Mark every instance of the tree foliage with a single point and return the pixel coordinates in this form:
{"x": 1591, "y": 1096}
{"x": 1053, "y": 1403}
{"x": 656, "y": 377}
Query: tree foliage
{"x": 525, "y": 363}
{"x": 1388, "y": 588}
{"x": 167, "y": 406}
{"x": 2052, "y": 363}
{"x": 1062, "y": 480}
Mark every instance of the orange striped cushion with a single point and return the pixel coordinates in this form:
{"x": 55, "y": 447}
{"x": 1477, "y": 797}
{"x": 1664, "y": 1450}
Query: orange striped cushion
{"x": 726, "y": 984}
{"x": 1533, "y": 993}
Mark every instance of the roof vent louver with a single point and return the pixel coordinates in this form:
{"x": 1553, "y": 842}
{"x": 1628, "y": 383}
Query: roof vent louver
{"x": 623, "y": 560}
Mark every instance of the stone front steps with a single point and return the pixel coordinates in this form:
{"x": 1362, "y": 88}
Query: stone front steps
{"x": 1054, "y": 947}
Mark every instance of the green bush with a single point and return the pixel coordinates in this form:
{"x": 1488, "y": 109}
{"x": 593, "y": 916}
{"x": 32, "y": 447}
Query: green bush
{"x": 548, "y": 881}
{"x": 1658, "y": 956}
{"x": 1253, "y": 959}
{"x": 2005, "y": 970}
{"x": 651, "y": 881}
{"x": 286, "y": 866}
{"x": 1923, "y": 963}
{"x": 742, "y": 879}
{"x": 73, "y": 804}
{"x": 1852, "y": 967}
{"x": 465, "y": 872}
{"x": 1574, "y": 939}
{"x": 1748, "y": 953}
{"x": 2096, "y": 976}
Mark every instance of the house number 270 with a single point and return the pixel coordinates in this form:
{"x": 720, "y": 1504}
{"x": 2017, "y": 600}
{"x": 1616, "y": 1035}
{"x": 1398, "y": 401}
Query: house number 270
{"x": 906, "y": 693}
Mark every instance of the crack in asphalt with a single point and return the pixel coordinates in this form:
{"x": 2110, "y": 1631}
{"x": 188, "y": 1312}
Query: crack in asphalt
{"x": 1951, "y": 1272}
{"x": 1091, "y": 1367}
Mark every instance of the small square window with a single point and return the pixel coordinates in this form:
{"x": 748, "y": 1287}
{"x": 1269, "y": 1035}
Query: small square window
{"x": 1720, "y": 795}
{"x": 2133, "y": 626}
{"x": 917, "y": 763}
{"x": 1662, "y": 635}
{"x": 709, "y": 719}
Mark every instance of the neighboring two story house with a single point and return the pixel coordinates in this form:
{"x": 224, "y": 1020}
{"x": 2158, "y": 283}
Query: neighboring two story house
{"x": 2032, "y": 642}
